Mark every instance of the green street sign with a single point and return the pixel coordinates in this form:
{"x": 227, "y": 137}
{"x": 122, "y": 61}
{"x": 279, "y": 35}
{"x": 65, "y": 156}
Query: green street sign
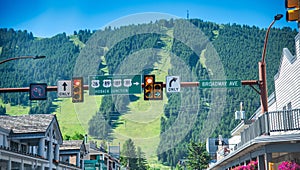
{"x": 115, "y": 84}
{"x": 220, "y": 83}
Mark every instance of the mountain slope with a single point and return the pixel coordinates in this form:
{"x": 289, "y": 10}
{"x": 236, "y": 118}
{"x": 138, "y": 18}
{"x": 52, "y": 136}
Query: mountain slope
{"x": 161, "y": 52}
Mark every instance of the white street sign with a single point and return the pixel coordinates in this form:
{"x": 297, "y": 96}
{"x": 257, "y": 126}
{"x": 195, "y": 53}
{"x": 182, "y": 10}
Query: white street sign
{"x": 173, "y": 84}
{"x": 64, "y": 88}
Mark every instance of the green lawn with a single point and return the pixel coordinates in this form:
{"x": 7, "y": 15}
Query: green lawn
{"x": 16, "y": 110}
{"x": 76, "y": 41}
{"x": 74, "y": 117}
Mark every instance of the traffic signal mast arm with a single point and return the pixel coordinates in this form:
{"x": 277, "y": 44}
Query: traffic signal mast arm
{"x": 26, "y": 89}
{"x": 86, "y": 87}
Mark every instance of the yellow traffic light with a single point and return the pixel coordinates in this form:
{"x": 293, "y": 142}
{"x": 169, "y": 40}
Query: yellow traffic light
{"x": 77, "y": 90}
{"x": 292, "y": 15}
{"x": 158, "y": 91}
{"x": 293, "y": 12}
{"x": 148, "y": 87}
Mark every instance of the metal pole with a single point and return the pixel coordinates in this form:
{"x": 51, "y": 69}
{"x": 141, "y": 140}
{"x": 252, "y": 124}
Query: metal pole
{"x": 263, "y": 87}
{"x": 86, "y": 87}
{"x": 22, "y": 57}
{"x": 262, "y": 70}
{"x": 263, "y": 74}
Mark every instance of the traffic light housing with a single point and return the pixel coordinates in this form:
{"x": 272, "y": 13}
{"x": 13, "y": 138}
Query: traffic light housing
{"x": 158, "y": 91}
{"x": 149, "y": 81}
{"x": 293, "y": 12}
{"x": 77, "y": 89}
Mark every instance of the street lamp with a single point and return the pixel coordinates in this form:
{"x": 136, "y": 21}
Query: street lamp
{"x": 262, "y": 70}
{"x": 22, "y": 57}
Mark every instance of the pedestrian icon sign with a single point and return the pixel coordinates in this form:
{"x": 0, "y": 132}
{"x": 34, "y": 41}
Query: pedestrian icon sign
{"x": 173, "y": 84}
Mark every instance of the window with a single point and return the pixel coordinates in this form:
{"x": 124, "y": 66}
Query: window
{"x": 14, "y": 146}
{"x": 23, "y": 148}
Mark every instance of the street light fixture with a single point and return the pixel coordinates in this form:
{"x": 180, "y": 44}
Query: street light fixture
{"x": 22, "y": 57}
{"x": 262, "y": 70}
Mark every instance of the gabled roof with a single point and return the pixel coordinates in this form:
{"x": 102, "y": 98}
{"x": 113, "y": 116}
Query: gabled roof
{"x": 4, "y": 130}
{"x": 71, "y": 144}
{"x": 291, "y": 58}
{"x": 35, "y": 123}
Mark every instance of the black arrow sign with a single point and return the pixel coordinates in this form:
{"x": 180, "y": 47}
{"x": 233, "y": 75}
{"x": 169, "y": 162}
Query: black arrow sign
{"x": 174, "y": 79}
{"x": 65, "y": 86}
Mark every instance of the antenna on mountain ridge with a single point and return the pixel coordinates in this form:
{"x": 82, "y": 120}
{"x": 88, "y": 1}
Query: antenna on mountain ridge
{"x": 187, "y": 14}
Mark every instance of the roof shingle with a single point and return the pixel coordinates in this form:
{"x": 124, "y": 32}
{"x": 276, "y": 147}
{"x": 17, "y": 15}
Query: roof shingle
{"x": 26, "y": 123}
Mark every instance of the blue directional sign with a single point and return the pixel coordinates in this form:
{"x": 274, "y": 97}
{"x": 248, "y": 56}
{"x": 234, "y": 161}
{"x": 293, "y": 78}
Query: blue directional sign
{"x": 115, "y": 84}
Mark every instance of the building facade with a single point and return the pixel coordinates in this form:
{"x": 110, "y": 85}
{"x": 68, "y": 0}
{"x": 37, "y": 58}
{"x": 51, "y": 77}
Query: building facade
{"x": 272, "y": 137}
{"x": 30, "y": 142}
{"x": 34, "y": 142}
{"x": 98, "y": 158}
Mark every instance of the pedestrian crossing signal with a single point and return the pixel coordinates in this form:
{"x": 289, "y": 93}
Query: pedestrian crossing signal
{"x": 158, "y": 91}
{"x": 77, "y": 90}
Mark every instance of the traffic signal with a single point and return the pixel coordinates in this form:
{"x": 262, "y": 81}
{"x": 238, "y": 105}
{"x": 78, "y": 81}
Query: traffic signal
{"x": 77, "y": 90}
{"x": 158, "y": 91}
{"x": 149, "y": 81}
{"x": 293, "y": 13}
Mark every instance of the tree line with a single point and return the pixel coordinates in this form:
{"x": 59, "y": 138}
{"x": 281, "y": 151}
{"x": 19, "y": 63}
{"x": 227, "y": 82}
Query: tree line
{"x": 239, "y": 48}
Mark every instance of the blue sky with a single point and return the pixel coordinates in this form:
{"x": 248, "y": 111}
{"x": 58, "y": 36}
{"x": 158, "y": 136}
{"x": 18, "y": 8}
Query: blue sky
{"x": 47, "y": 18}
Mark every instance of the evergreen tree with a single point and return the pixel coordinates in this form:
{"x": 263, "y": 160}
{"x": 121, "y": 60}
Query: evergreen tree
{"x": 198, "y": 157}
{"x": 141, "y": 160}
{"x": 99, "y": 127}
{"x": 2, "y": 110}
{"x": 128, "y": 154}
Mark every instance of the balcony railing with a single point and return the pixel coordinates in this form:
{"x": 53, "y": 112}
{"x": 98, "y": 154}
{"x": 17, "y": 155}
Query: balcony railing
{"x": 272, "y": 122}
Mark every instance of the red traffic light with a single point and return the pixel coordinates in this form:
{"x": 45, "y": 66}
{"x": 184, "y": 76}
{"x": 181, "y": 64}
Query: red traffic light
{"x": 148, "y": 87}
{"x": 77, "y": 90}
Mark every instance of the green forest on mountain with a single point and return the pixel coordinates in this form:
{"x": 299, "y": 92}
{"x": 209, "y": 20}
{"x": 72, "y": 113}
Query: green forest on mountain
{"x": 239, "y": 48}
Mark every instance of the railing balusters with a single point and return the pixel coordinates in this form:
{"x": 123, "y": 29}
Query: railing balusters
{"x": 297, "y": 120}
{"x": 280, "y": 123}
{"x": 272, "y": 122}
